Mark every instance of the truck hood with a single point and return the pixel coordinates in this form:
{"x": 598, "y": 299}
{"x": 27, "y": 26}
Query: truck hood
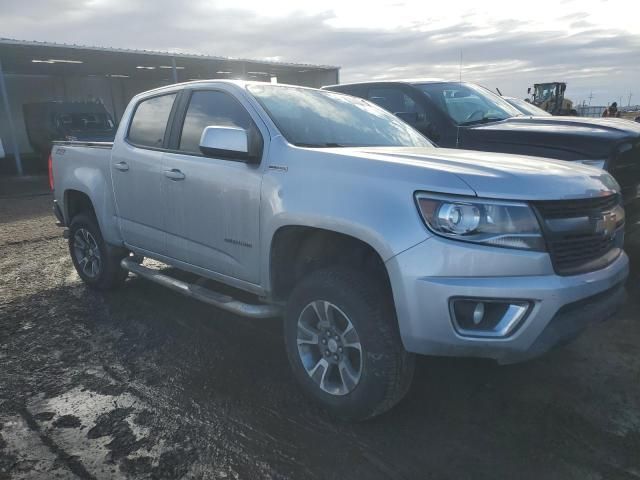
{"x": 489, "y": 175}
{"x": 579, "y": 138}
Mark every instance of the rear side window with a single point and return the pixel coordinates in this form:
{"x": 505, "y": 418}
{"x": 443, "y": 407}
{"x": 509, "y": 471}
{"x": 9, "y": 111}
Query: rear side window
{"x": 211, "y": 108}
{"x": 150, "y": 121}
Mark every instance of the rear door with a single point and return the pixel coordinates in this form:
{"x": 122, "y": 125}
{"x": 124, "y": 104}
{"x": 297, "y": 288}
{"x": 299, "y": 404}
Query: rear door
{"x": 213, "y": 204}
{"x": 137, "y": 171}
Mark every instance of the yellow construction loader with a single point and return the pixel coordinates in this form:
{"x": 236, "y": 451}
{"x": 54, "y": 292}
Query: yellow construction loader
{"x": 550, "y": 97}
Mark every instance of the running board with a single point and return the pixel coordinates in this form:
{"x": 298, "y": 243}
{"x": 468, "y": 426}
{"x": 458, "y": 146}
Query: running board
{"x": 203, "y": 294}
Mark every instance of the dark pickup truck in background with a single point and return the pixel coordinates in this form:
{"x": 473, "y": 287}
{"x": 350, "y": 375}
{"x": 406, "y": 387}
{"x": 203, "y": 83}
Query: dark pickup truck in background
{"x": 468, "y": 116}
{"x": 48, "y": 122}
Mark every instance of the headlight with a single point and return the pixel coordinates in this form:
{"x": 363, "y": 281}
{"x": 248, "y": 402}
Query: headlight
{"x": 593, "y": 163}
{"x": 491, "y": 222}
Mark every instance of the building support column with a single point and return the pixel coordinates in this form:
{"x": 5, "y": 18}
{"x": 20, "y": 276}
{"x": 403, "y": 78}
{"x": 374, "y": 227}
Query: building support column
{"x": 174, "y": 70}
{"x": 12, "y": 131}
{"x": 116, "y": 118}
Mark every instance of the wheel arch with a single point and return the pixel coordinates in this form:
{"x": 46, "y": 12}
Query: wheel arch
{"x": 297, "y": 250}
{"x": 76, "y": 202}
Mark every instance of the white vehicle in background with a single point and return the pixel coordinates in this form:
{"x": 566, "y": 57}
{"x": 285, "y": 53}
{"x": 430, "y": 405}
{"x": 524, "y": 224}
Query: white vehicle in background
{"x": 527, "y": 108}
{"x": 372, "y": 243}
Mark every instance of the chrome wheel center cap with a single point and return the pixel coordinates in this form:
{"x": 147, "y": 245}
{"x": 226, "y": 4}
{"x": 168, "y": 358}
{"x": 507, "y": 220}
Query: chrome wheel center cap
{"x": 333, "y": 345}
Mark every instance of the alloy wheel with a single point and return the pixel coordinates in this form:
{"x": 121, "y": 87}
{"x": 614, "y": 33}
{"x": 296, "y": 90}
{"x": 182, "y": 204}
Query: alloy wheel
{"x": 329, "y": 347}
{"x": 87, "y": 253}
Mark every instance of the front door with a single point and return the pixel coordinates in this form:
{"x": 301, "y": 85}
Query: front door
{"x": 137, "y": 171}
{"x": 213, "y": 204}
{"x": 407, "y": 106}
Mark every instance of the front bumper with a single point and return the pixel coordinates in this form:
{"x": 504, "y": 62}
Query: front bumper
{"x": 425, "y": 277}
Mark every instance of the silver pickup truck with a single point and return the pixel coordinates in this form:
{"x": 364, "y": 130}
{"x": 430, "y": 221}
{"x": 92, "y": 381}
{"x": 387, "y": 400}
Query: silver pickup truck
{"x": 371, "y": 243}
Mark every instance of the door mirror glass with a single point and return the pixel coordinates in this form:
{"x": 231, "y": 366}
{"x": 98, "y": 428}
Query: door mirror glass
{"x": 225, "y": 142}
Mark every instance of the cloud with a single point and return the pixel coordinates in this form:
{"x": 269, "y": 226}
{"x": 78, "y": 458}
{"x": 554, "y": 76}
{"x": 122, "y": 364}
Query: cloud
{"x": 500, "y": 53}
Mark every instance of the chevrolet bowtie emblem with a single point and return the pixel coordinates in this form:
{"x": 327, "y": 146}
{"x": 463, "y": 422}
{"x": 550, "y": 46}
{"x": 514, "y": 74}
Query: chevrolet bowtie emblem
{"x": 606, "y": 224}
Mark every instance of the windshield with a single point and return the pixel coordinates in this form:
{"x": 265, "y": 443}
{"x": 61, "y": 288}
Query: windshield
{"x": 544, "y": 91}
{"x": 316, "y": 118}
{"x": 527, "y": 108}
{"x": 467, "y": 104}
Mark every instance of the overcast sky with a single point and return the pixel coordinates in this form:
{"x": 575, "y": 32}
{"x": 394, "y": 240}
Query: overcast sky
{"x": 593, "y": 45}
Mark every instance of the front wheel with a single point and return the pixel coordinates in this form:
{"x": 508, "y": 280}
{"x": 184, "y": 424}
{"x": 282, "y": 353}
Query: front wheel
{"x": 343, "y": 343}
{"x": 97, "y": 263}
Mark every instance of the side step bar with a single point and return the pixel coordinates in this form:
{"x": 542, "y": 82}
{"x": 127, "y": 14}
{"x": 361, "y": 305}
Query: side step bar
{"x": 206, "y": 295}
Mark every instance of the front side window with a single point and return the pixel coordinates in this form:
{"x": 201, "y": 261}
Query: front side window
{"x": 394, "y": 100}
{"x": 468, "y": 104}
{"x": 212, "y": 108}
{"x": 319, "y": 118}
{"x": 150, "y": 121}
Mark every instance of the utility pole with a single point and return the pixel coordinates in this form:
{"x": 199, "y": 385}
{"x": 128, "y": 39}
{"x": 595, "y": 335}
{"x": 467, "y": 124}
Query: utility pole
{"x": 629, "y": 102}
{"x": 590, "y": 97}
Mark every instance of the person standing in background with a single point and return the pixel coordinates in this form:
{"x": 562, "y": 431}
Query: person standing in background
{"x": 612, "y": 111}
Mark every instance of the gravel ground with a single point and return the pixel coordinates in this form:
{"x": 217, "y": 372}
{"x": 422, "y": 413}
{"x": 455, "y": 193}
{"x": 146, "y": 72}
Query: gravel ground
{"x": 143, "y": 383}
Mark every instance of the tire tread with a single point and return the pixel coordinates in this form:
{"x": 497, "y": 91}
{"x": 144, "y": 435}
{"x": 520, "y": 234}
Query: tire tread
{"x": 398, "y": 367}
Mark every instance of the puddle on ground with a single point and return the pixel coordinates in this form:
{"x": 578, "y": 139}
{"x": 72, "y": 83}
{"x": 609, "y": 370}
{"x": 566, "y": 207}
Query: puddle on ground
{"x": 100, "y": 430}
{"x": 25, "y": 455}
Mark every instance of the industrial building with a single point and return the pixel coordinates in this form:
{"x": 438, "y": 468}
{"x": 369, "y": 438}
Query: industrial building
{"x": 39, "y": 73}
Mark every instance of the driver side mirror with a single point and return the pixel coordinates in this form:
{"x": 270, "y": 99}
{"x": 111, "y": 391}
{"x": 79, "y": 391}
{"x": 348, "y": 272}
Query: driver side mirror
{"x": 231, "y": 143}
{"x": 528, "y": 90}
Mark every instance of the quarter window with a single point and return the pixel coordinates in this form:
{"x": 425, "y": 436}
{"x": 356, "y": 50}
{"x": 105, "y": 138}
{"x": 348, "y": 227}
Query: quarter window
{"x": 150, "y": 119}
{"x": 211, "y": 108}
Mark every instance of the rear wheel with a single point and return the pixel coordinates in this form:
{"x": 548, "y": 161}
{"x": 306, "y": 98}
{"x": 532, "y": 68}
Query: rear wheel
{"x": 97, "y": 263}
{"x": 343, "y": 343}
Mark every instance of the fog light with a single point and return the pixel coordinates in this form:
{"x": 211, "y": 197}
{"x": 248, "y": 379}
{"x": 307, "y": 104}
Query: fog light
{"x": 478, "y": 313}
{"x": 477, "y": 317}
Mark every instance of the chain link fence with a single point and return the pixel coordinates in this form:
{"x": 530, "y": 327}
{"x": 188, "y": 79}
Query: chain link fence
{"x": 589, "y": 110}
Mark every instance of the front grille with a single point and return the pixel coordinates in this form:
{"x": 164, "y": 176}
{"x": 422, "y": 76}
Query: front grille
{"x": 574, "y": 235}
{"x": 583, "y": 207}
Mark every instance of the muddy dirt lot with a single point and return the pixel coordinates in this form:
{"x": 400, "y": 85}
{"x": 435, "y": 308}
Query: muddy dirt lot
{"x": 143, "y": 383}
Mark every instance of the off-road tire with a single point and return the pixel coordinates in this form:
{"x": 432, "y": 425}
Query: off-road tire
{"x": 387, "y": 368}
{"x": 111, "y": 275}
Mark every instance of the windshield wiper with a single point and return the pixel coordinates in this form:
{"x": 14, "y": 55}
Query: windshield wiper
{"x": 482, "y": 120}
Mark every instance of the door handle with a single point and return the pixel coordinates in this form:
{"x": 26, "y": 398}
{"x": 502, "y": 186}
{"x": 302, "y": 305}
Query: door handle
{"x": 122, "y": 166}
{"x": 174, "y": 174}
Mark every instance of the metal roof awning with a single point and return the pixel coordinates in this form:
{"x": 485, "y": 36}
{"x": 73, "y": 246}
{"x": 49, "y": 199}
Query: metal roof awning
{"x": 41, "y": 58}
{"x": 138, "y": 69}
